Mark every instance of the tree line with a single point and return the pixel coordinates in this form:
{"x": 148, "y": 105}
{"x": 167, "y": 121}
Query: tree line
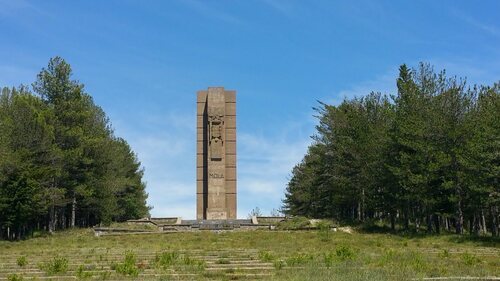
{"x": 60, "y": 163}
{"x": 426, "y": 158}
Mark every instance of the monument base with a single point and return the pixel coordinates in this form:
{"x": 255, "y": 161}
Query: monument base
{"x": 216, "y": 214}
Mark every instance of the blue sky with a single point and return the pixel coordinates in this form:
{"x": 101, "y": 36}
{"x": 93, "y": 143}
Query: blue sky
{"x": 143, "y": 62}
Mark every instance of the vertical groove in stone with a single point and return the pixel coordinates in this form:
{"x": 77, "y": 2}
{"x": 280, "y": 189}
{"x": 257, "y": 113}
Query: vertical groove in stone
{"x": 216, "y": 154}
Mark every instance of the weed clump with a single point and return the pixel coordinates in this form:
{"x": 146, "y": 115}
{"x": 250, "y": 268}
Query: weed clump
{"x": 299, "y": 259}
{"x": 22, "y": 261}
{"x": 166, "y": 260}
{"x": 470, "y": 259}
{"x": 128, "y": 267}
{"x": 15, "y": 277}
{"x": 81, "y": 273}
{"x": 55, "y": 266}
{"x": 266, "y": 256}
{"x": 345, "y": 253}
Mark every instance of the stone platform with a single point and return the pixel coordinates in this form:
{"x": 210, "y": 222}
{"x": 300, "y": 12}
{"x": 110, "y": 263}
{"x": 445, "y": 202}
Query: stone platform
{"x": 176, "y": 224}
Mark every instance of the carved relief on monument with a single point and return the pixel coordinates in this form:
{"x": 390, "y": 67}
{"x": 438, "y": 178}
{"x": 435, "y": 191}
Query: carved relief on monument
{"x": 216, "y": 126}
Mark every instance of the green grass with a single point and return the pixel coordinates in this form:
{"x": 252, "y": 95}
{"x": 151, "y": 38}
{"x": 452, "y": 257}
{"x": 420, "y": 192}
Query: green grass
{"x": 290, "y": 255}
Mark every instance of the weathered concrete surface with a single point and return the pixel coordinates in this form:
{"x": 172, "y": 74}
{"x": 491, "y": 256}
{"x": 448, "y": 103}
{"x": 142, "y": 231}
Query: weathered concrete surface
{"x": 216, "y": 181}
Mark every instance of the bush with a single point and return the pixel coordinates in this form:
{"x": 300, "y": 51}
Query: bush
{"x": 15, "y": 277}
{"x": 470, "y": 260}
{"x": 22, "y": 261}
{"x": 55, "y": 266}
{"x": 266, "y": 256}
{"x": 345, "y": 253}
{"x": 128, "y": 267}
{"x": 82, "y": 274}
{"x": 166, "y": 259}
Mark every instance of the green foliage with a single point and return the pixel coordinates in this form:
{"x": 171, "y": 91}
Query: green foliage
{"x": 470, "y": 259}
{"x": 58, "y": 153}
{"x": 56, "y": 266}
{"x": 167, "y": 260}
{"x": 129, "y": 266}
{"x": 422, "y": 158}
{"x": 22, "y": 261}
{"x": 344, "y": 252}
{"x": 266, "y": 256}
{"x": 15, "y": 277}
{"x": 294, "y": 223}
{"x": 299, "y": 259}
{"x": 82, "y": 273}
{"x": 278, "y": 264}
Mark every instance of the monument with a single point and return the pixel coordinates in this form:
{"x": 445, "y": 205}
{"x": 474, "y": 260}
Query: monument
{"x": 216, "y": 154}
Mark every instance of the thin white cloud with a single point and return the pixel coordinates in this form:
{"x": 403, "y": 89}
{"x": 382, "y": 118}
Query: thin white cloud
{"x": 284, "y": 7}
{"x": 209, "y": 11}
{"x": 384, "y": 83}
{"x": 491, "y": 29}
{"x": 166, "y": 148}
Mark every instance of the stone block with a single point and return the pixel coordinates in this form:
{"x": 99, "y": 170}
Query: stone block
{"x": 199, "y": 185}
{"x": 230, "y": 186}
{"x": 230, "y": 134}
{"x": 199, "y": 172}
{"x": 230, "y": 147}
{"x": 230, "y": 122}
{"x": 231, "y": 205}
{"x": 200, "y": 108}
{"x": 199, "y": 206}
{"x": 230, "y": 96}
{"x": 230, "y": 108}
{"x": 230, "y": 160}
{"x": 231, "y": 173}
{"x": 201, "y": 96}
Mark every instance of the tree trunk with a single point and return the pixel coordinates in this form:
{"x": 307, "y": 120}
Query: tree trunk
{"x": 73, "y": 211}
{"x": 429, "y": 223}
{"x": 460, "y": 218}
{"x": 437, "y": 224}
{"x": 393, "y": 222}
{"x": 483, "y": 222}
{"x": 494, "y": 221}
{"x": 52, "y": 219}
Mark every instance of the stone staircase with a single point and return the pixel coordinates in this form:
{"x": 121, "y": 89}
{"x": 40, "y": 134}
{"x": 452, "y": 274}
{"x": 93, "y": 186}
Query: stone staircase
{"x": 97, "y": 264}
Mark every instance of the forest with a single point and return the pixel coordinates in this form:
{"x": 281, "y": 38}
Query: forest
{"x": 424, "y": 159}
{"x": 61, "y": 165}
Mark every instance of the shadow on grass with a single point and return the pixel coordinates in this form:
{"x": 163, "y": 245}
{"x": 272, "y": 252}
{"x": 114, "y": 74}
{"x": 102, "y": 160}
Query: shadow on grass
{"x": 485, "y": 241}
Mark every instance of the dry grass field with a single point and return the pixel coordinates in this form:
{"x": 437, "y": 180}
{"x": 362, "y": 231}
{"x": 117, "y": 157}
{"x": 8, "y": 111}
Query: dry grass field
{"x": 250, "y": 255}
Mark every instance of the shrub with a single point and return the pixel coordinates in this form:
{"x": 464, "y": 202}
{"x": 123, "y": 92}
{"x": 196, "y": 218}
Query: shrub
{"x": 128, "y": 267}
{"x": 324, "y": 230}
{"x": 266, "y": 256}
{"x": 22, "y": 261}
{"x": 55, "y": 266}
{"x": 344, "y": 253}
{"x": 166, "y": 259}
{"x": 470, "y": 259}
{"x": 82, "y": 274}
{"x": 15, "y": 277}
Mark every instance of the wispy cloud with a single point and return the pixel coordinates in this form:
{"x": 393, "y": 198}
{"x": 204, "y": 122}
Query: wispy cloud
{"x": 284, "y": 7}
{"x": 491, "y": 29}
{"x": 209, "y": 11}
{"x": 12, "y": 75}
{"x": 14, "y": 8}
{"x": 166, "y": 147}
{"x": 384, "y": 83}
